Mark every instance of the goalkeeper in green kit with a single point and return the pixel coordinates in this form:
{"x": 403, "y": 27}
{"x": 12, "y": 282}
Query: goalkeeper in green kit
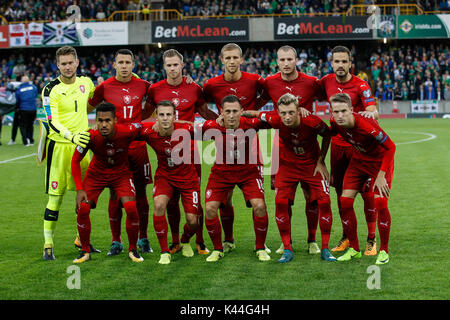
{"x": 65, "y": 102}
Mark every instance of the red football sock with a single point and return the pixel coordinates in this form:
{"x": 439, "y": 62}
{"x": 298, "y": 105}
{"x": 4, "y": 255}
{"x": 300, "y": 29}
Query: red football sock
{"x": 174, "y": 216}
{"x": 84, "y": 226}
{"x": 370, "y": 211}
{"x": 227, "y": 218}
{"x": 340, "y": 212}
{"x": 199, "y": 230}
{"x": 142, "y": 209}
{"x": 115, "y": 218}
{"x": 325, "y": 221}
{"x": 132, "y": 224}
{"x": 312, "y": 218}
{"x": 349, "y": 222}
{"x": 215, "y": 232}
{"x": 187, "y": 234}
{"x": 384, "y": 222}
{"x": 160, "y": 226}
{"x": 260, "y": 226}
{"x": 283, "y": 219}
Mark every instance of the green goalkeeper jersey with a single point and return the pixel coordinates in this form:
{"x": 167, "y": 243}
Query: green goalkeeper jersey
{"x": 65, "y": 106}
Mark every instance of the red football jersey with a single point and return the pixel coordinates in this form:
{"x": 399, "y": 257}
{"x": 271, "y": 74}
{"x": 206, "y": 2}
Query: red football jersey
{"x": 185, "y": 97}
{"x": 172, "y": 168}
{"x": 306, "y": 88}
{"x": 300, "y": 145}
{"x": 234, "y": 148}
{"x": 126, "y": 96}
{"x": 247, "y": 89}
{"x": 358, "y": 90}
{"x": 369, "y": 140}
{"x": 110, "y": 155}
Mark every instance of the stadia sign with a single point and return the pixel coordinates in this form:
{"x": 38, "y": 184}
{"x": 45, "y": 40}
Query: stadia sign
{"x": 310, "y": 28}
{"x": 200, "y": 30}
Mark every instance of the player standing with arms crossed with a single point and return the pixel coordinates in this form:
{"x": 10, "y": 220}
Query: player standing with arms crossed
{"x": 188, "y": 99}
{"x": 371, "y": 167}
{"x": 65, "y": 101}
{"x": 342, "y": 81}
{"x": 127, "y": 92}
{"x": 247, "y": 87}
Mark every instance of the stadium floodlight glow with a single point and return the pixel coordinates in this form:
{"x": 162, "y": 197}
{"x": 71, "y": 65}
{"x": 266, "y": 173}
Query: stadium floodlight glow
{"x": 159, "y": 45}
{"x": 384, "y": 40}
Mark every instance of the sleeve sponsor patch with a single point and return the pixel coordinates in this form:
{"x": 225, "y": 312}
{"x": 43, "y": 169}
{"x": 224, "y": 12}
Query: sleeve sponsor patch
{"x": 80, "y": 149}
{"x": 367, "y": 93}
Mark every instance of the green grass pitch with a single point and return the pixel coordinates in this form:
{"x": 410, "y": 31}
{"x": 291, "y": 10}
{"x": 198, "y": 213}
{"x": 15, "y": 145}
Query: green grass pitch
{"x": 418, "y": 268}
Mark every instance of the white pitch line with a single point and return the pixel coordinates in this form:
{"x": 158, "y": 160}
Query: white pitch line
{"x": 430, "y": 137}
{"x": 18, "y": 158}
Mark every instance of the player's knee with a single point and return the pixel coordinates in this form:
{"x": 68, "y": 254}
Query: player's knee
{"x": 54, "y": 202}
{"x": 259, "y": 208}
{"x": 211, "y": 210}
{"x": 160, "y": 208}
{"x": 192, "y": 221}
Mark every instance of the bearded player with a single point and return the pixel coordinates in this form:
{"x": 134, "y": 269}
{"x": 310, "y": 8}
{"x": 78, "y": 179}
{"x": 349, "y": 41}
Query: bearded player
{"x": 342, "y": 81}
{"x": 127, "y": 92}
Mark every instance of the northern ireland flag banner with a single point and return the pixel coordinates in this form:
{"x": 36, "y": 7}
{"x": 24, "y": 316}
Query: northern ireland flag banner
{"x": 35, "y": 34}
{"x": 17, "y": 35}
{"x": 60, "y": 33}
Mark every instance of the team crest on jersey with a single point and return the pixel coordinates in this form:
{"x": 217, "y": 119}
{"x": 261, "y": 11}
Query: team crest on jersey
{"x": 168, "y": 151}
{"x": 54, "y": 185}
{"x": 176, "y": 102}
{"x": 208, "y": 193}
{"x": 110, "y": 152}
{"x": 82, "y": 88}
{"x": 127, "y": 99}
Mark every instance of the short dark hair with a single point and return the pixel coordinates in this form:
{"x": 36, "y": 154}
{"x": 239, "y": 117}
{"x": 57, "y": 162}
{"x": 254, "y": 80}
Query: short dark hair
{"x": 341, "y": 49}
{"x": 124, "y": 51}
{"x": 106, "y": 107}
{"x": 230, "y": 99}
{"x": 166, "y": 103}
{"x": 64, "y": 51}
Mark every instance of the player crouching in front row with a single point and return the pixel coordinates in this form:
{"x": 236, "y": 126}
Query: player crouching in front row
{"x": 371, "y": 166}
{"x": 108, "y": 168}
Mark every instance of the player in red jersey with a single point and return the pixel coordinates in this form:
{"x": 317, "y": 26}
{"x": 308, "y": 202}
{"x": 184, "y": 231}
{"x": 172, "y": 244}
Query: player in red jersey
{"x": 342, "y": 81}
{"x": 301, "y": 161}
{"x": 127, "y": 92}
{"x": 371, "y": 167}
{"x": 176, "y": 175}
{"x": 108, "y": 168}
{"x": 188, "y": 99}
{"x": 235, "y": 165}
{"x": 307, "y": 89}
{"x": 247, "y": 87}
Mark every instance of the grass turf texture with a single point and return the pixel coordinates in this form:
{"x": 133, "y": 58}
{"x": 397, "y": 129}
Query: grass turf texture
{"x": 418, "y": 245}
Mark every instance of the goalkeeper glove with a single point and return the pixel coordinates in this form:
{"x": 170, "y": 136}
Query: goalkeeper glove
{"x": 80, "y": 139}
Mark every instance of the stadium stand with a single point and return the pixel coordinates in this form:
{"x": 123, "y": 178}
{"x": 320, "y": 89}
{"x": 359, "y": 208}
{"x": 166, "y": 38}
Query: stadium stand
{"x": 23, "y": 10}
